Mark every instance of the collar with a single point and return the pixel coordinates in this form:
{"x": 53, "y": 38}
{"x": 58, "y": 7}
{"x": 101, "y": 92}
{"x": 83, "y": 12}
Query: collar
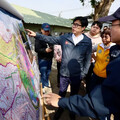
{"x": 77, "y": 39}
{"x": 106, "y": 47}
{"x": 93, "y": 37}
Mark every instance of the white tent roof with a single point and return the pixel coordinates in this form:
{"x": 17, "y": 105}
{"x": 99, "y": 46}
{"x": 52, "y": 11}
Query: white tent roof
{"x": 6, "y": 6}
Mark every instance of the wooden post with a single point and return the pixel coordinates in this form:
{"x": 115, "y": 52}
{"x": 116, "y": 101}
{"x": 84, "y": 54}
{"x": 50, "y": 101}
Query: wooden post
{"x": 44, "y": 110}
{"x": 42, "y": 102}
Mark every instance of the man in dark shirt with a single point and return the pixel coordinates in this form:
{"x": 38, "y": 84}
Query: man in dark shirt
{"x": 45, "y": 55}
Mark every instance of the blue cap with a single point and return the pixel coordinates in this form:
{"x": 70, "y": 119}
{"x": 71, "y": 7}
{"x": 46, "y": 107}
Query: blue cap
{"x": 114, "y": 16}
{"x": 45, "y": 27}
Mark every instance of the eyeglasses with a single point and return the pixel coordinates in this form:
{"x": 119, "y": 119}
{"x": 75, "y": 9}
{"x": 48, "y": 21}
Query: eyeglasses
{"x": 111, "y": 25}
{"x": 76, "y": 24}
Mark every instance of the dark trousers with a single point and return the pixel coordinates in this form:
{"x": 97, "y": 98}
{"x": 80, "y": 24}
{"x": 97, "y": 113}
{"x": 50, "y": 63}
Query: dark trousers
{"x": 58, "y": 73}
{"x": 88, "y": 77}
{"x": 74, "y": 85}
{"x": 95, "y": 80}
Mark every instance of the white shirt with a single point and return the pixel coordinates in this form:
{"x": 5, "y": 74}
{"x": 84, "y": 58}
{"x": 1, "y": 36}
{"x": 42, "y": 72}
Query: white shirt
{"x": 77, "y": 39}
{"x": 96, "y": 39}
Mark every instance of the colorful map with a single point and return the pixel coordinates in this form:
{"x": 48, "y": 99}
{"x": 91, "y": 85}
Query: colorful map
{"x": 18, "y": 97}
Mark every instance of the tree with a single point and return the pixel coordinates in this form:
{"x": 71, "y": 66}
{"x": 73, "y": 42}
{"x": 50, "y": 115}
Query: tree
{"x": 101, "y": 7}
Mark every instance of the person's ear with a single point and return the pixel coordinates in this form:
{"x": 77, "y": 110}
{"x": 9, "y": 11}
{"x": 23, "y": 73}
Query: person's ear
{"x": 83, "y": 28}
{"x": 42, "y": 31}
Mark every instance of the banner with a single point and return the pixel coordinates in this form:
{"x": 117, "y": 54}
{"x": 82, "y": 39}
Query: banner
{"x": 18, "y": 96}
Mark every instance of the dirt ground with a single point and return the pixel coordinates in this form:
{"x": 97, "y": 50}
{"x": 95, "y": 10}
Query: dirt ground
{"x": 55, "y": 89}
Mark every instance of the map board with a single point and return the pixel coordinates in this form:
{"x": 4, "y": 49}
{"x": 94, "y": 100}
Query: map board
{"x": 19, "y": 99}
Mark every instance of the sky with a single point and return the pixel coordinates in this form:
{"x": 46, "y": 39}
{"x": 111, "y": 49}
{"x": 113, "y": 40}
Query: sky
{"x": 63, "y": 8}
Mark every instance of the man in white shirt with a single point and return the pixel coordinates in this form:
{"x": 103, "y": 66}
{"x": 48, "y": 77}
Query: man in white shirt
{"x": 76, "y": 56}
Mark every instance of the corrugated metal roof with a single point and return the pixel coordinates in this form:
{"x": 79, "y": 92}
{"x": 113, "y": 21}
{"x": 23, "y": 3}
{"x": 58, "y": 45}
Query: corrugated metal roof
{"x": 36, "y": 17}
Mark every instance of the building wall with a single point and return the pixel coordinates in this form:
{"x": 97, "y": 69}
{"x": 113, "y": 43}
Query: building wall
{"x": 55, "y": 30}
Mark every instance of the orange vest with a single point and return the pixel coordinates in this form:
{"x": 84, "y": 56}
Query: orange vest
{"x": 102, "y": 60}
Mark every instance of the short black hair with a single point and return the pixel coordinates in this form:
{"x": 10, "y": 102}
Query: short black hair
{"x": 83, "y": 20}
{"x": 99, "y": 24}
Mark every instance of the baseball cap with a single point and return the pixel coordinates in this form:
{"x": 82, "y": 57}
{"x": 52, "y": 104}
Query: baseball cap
{"x": 114, "y": 16}
{"x": 45, "y": 27}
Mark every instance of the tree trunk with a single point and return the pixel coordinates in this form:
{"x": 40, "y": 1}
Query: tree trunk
{"x": 102, "y": 9}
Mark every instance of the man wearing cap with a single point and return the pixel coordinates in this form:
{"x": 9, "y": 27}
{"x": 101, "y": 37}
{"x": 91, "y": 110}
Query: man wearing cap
{"x": 45, "y": 55}
{"x": 104, "y": 99}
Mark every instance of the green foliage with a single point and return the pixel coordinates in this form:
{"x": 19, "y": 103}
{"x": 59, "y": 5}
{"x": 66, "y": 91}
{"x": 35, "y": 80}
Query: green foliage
{"x": 93, "y": 2}
{"x": 82, "y": 1}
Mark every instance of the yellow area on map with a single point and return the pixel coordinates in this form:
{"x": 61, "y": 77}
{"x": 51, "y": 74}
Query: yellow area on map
{"x": 8, "y": 52}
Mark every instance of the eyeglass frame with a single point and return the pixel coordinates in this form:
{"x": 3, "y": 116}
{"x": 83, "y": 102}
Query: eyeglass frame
{"x": 110, "y": 25}
{"x": 76, "y": 24}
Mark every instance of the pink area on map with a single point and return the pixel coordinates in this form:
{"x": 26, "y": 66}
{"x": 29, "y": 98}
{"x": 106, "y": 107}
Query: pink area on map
{"x": 5, "y": 33}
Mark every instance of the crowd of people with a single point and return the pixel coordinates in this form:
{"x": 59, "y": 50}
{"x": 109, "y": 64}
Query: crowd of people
{"x": 91, "y": 56}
